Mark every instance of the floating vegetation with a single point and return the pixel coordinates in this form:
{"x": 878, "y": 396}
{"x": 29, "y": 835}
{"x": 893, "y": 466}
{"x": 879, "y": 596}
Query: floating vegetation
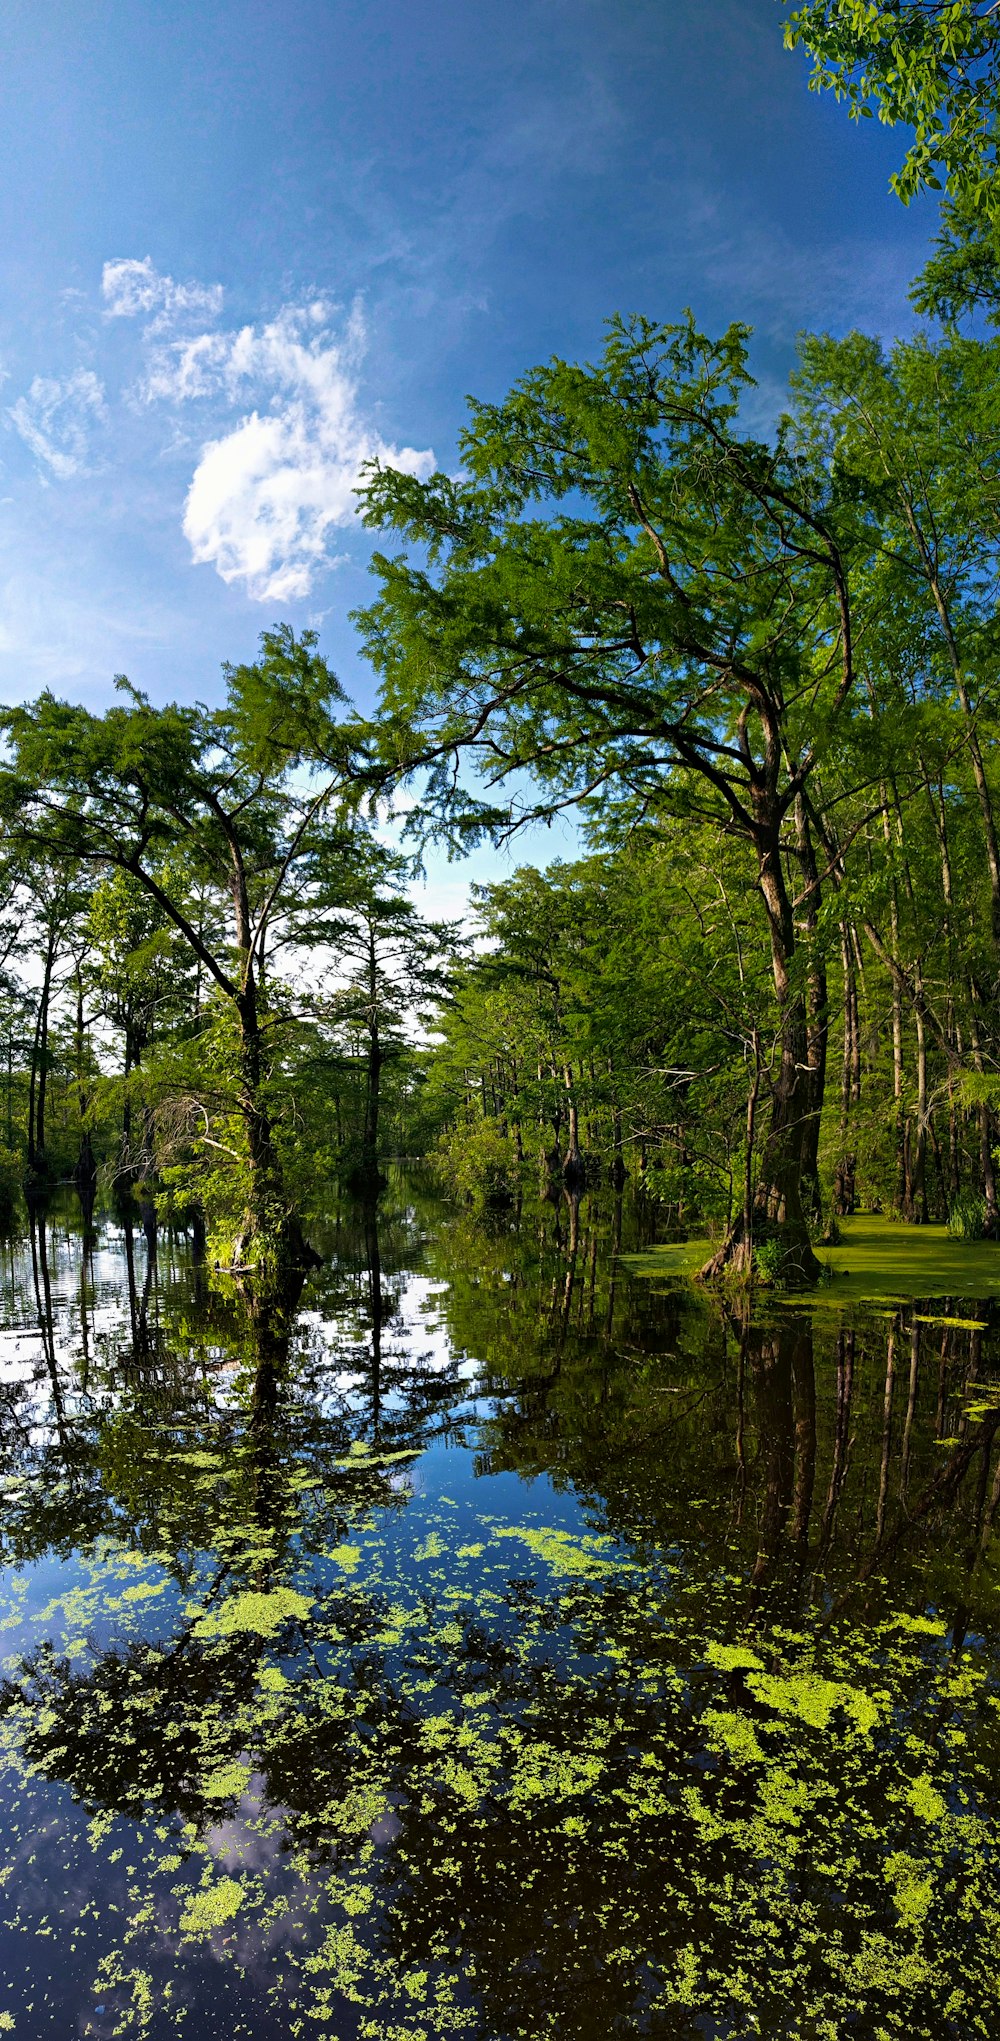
{"x": 876, "y": 1261}
{"x": 555, "y": 1723}
{"x": 560, "y": 1755}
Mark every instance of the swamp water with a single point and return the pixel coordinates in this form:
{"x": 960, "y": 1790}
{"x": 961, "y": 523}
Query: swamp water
{"x": 519, "y": 1646}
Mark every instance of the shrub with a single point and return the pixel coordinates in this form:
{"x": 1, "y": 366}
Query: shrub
{"x": 769, "y": 1258}
{"x": 475, "y": 1158}
{"x": 11, "y": 1177}
{"x": 967, "y": 1217}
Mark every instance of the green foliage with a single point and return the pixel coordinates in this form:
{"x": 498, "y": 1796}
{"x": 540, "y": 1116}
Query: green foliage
{"x": 474, "y": 1159}
{"x": 222, "y": 848}
{"x": 929, "y": 65}
{"x": 932, "y": 67}
{"x": 694, "y": 1192}
{"x": 611, "y": 986}
{"x": 967, "y": 1217}
{"x": 769, "y": 1258}
{"x": 11, "y": 1179}
{"x": 766, "y": 674}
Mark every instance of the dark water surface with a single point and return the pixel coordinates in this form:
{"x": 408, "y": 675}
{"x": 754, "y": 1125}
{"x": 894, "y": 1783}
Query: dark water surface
{"x": 513, "y": 1648}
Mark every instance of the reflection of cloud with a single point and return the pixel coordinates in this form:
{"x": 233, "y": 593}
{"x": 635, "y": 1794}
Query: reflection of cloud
{"x": 132, "y": 287}
{"x": 266, "y": 494}
{"x": 55, "y": 418}
{"x": 243, "y": 1842}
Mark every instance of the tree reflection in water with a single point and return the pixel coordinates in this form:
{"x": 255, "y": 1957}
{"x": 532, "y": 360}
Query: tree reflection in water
{"x": 668, "y": 1698}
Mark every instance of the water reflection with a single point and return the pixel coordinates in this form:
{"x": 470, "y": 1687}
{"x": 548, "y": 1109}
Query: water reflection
{"x": 492, "y": 1646}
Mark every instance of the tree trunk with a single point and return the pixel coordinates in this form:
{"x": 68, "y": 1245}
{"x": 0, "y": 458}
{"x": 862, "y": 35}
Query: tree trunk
{"x": 370, "y": 1178}
{"x": 987, "y": 1175}
{"x": 86, "y": 1165}
{"x": 920, "y": 1155}
{"x": 817, "y": 1020}
{"x": 38, "y": 1080}
{"x": 915, "y": 1137}
{"x": 573, "y": 1166}
{"x": 271, "y": 1238}
{"x": 126, "y": 1161}
{"x": 618, "y": 1171}
{"x": 373, "y": 1097}
{"x": 978, "y": 768}
{"x": 844, "y": 1191}
{"x": 778, "y": 1211}
{"x": 752, "y": 1097}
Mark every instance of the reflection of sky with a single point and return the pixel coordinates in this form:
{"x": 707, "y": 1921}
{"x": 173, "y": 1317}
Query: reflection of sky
{"x": 91, "y": 1330}
{"x": 332, "y": 1344}
{"x": 457, "y": 1548}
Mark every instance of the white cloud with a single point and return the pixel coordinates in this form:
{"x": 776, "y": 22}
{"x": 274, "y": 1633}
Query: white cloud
{"x": 266, "y": 495}
{"x": 282, "y": 446}
{"x": 132, "y": 287}
{"x": 55, "y": 418}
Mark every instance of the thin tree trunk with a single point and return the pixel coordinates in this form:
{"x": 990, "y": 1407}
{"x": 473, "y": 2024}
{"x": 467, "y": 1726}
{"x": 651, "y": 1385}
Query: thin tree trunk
{"x": 978, "y": 768}
{"x": 38, "y": 1080}
{"x": 904, "y": 1194}
{"x": 373, "y": 1082}
{"x": 817, "y": 1022}
{"x": 778, "y": 1206}
{"x": 985, "y": 1120}
{"x": 752, "y": 1097}
{"x": 844, "y": 1194}
{"x": 573, "y": 1170}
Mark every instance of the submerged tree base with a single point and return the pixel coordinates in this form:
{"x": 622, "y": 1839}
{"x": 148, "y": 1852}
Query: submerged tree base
{"x": 876, "y": 1261}
{"x": 366, "y": 1181}
{"x": 270, "y": 1263}
{"x": 773, "y": 1255}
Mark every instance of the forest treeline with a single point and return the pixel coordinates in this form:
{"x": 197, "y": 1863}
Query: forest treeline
{"x": 211, "y": 965}
{"x": 761, "y": 668}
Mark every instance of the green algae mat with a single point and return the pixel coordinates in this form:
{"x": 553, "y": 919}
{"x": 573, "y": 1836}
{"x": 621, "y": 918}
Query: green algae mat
{"x": 499, "y": 1652}
{"x": 876, "y": 1262}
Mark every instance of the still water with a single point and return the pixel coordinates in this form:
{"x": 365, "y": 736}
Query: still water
{"x": 510, "y": 1646}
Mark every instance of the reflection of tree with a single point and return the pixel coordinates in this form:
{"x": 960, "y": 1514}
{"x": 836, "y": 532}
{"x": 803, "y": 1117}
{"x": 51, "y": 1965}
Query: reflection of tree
{"x": 577, "y": 1809}
{"x": 247, "y": 1496}
{"x": 543, "y": 1785}
{"x": 376, "y": 1308}
{"x": 633, "y": 1400}
{"x": 360, "y": 1291}
{"x": 151, "y": 1725}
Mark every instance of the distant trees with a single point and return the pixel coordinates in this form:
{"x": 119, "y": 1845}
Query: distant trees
{"x": 390, "y": 972}
{"x": 611, "y": 1015}
{"x": 183, "y": 845}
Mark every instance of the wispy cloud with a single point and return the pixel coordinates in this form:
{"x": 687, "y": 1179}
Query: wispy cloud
{"x": 59, "y": 631}
{"x": 785, "y": 288}
{"x": 267, "y": 494}
{"x": 758, "y": 272}
{"x": 133, "y": 288}
{"x": 55, "y": 419}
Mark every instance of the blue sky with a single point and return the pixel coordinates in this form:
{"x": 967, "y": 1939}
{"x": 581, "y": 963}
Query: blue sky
{"x": 246, "y": 244}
